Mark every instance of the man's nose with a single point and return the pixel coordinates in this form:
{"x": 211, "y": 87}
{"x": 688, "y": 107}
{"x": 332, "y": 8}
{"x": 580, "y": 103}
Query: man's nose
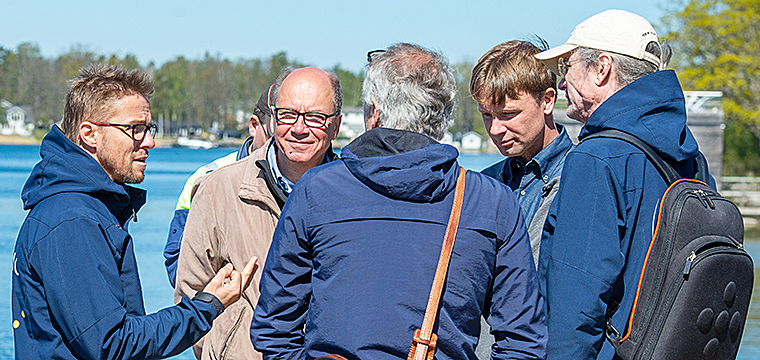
{"x": 148, "y": 141}
{"x": 300, "y": 125}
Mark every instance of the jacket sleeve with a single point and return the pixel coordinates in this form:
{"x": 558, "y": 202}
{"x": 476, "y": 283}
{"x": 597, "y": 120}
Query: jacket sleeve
{"x": 517, "y": 316}
{"x": 84, "y": 287}
{"x": 277, "y": 330}
{"x": 177, "y": 226}
{"x": 173, "y": 243}
{"x": 581, "y": 257}
{"x": 199, "y": 252}
{"x": 198, "y": 256}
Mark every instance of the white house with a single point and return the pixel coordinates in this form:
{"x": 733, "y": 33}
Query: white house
{"x": 352, "y": 124}
{"x": 448, "y": 139}
{"x": 471, "y": 141}
{"x": 19, "y": 121}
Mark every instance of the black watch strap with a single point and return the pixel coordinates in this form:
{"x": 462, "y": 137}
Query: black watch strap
{"x": 210, "y": 299}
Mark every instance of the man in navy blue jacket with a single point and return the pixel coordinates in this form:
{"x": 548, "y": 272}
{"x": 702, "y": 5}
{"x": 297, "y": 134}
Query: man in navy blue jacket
{"x": 600, "y": 225}
{"x": 76, "y": 289}
{"x": 353, "y": 257}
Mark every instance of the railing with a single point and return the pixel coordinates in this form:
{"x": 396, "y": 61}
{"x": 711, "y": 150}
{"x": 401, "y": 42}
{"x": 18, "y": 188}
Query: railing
{"x": 744, "y": 191}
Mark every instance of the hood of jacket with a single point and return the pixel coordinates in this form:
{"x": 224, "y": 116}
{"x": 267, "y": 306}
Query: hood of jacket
{"x": 65, "y": 167}
{"x": 403, "y": 164}
{"x": 651, "y": 108}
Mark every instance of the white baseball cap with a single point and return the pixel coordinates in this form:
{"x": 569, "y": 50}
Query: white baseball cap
{"x": 615, "y": 31}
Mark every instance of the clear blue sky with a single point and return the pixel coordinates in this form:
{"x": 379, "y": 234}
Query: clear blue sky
{"x": 322, "y": 33}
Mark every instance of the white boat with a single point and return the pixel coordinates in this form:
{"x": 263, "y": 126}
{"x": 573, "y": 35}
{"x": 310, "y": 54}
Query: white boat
{"x": 194, "y": 143}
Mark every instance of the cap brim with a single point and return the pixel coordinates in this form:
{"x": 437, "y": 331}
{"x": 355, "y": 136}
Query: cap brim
{"x": 550, "y": 57}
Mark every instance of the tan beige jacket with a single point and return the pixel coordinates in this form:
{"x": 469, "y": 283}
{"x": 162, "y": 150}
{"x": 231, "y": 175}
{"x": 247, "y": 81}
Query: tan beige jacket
{"x": 232, "y": 218}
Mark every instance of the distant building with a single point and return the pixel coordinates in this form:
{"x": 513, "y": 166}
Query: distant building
{"x": 471, "y": 141}
{"x": 448, "y": 139}
{"x": 352, "y": 124}
{"x": 19, "y": 121}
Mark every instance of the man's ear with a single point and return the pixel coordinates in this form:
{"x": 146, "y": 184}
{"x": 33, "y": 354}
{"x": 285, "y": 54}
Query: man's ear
{"x": 373, "y": 121}
{"x": 338, "y": 118}
{"x": 253, "y": 122}
{"x": 88, "y": 138}
{"x": 603, "y": 70}
{"x": 548, "y": 100}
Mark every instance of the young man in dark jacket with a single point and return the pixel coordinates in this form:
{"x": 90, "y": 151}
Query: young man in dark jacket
{"x": 515, "y": 94}
{"x": 76, "y": 290}
{"x": 354, "y": 254}
{"x": 600, "y": 225}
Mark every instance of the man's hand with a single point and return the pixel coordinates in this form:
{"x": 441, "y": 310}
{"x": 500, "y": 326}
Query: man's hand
{"x": 229, "y": 283}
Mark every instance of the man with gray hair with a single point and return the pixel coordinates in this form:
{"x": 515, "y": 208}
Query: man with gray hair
{"x": 599, "y": 229}
{"x": 354, "y": 254}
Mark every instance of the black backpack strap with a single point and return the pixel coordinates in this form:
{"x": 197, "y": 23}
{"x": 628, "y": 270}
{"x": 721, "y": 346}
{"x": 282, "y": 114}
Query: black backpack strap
{"x": 668, "y": 172}
{"x": 702, "y": 172}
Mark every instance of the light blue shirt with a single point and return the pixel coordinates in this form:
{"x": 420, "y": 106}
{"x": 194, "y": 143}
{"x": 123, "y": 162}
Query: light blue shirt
{"x": 285, "y": 184}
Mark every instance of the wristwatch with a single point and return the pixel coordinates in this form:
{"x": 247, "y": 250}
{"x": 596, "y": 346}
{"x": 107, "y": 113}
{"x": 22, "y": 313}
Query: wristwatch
{"x": 209, "y": 299}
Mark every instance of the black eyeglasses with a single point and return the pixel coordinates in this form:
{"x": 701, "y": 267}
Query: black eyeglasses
{"x": 373, "y": 53}
{"x": 138, "y": 130}
{"x": 312, "y": 119}
{"x": 564, "y": 66}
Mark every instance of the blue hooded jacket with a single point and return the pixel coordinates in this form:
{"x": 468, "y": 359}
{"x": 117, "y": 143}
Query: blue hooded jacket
{"x": 601, "y": 223}
{"x": 76, "y": 289}
{"x": 357, "y": 245}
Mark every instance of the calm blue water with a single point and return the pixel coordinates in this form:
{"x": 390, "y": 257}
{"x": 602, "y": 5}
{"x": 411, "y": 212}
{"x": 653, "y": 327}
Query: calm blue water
{"x": 165, "y": 176}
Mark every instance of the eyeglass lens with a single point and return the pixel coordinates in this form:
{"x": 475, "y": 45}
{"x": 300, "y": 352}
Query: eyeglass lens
{"x": 139, "y": 131}
{"x": 311, "y": 119}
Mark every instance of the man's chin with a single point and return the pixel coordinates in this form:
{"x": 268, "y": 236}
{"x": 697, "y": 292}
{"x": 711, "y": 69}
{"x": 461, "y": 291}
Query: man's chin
{"x": 133, "y": 178}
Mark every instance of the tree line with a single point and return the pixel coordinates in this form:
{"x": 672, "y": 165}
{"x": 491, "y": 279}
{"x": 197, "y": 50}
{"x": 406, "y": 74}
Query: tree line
{"x": 211, "y": 91}
{"x": 716, "y": 47}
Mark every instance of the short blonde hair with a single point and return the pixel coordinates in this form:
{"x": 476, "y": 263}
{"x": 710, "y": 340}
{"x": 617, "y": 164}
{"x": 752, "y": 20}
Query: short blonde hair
{"x": 93, "y": 92}
{"x": 509, "y": 69}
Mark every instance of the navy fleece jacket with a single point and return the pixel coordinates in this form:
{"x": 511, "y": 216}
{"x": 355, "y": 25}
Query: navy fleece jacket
{"x": 76, "y": 289}
{"x": 601, "y": 222}
{"x": 353, "y": 257}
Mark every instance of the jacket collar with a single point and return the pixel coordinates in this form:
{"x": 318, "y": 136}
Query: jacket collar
{"x": 256, "y": 185}
{"x": 651, "y": 108}
{"x": 65, "y": 167}
{"x": 259, "y": 167}
{"x": 548, "y": 159}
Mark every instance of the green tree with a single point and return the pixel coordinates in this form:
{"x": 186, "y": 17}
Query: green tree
{"x": 466, "y": 115}
{"x": 351, "y": 85}
{"x": 25, "y": 80}
{"x": 171, "y": 100}
{"x": 716, "y": 47}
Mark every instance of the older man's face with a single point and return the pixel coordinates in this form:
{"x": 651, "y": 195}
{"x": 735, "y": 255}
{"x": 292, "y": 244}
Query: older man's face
{"x": 306, "y": 90}
{"x": 578, "y": 85}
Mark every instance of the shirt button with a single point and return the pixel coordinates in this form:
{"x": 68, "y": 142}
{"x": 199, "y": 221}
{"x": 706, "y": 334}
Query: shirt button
{"x": 522, "y": 192}
{"x": 546, "y": 177}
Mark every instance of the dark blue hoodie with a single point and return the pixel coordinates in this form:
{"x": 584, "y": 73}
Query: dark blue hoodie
{"x": 600, "y": 226}
{"x": 76, "y": 289}
{"x": 357, "y": 245}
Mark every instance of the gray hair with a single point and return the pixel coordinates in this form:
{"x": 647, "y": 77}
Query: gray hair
{"x": 334, "y": 82}
{"x": 415, "y": 89}
{"x": 629, "y": 69}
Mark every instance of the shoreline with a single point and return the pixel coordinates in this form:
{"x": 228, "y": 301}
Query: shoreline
{"x": 18, "y": 140}
{"x": 164, "y": 142}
